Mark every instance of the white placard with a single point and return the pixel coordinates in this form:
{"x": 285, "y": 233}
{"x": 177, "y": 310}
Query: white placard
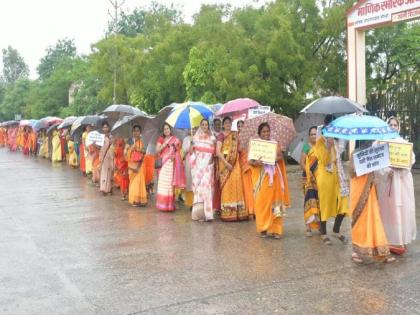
{"x": 371, "y": 159}
{"x": 261, "y": 110}
{"x": 96, "y": 138}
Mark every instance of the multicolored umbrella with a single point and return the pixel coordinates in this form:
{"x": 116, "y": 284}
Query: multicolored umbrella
{"x": 357, "y": 127}
{"x": 188, "y": 115}
{"x": 333, "y": 105}
{"x": 282, "y": 129}
{"x": 237, "y": 105}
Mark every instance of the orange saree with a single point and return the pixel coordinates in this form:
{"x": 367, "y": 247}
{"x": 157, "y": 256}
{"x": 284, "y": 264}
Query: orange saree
{"x": 367, "y": 230}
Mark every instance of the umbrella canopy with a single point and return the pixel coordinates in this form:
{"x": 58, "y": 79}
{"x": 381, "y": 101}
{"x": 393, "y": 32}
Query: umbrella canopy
{"x": 295, "y": 148}
{"x": 81, "y": 122}
{"x": 118, "y": 111}
{"x": 10, "y": 123}
{"x": 237, "y": 105}
{"x": 24, "y": 123}
{"x": 123, "y": 127}
{"x": 46, "y": 122}
{"x": 356, "y": 127}
{"x": 52, "y": 128}
{"x": 188, "y": 115}
{"x": 67, "y": 122}
{"x": 333, "y": 105}
{"x": 306, "y": 121}
{"x": 282, "y": 129}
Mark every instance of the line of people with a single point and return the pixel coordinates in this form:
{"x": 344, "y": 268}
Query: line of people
{"x": 207, "y": 168}
{"x": 381, "y": 203}
{"x": 218, "y": 181}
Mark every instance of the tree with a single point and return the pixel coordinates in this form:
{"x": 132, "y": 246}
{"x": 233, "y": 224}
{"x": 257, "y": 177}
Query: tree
{"x": 15, "y": 99}
{"x": 63, "y": 50}
{"x": 14, "y": 67}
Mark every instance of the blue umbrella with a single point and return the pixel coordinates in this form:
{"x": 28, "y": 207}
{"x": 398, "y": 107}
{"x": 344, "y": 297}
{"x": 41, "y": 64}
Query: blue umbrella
{"x": 188, "y": 115}
{"x": 356, "y": 127}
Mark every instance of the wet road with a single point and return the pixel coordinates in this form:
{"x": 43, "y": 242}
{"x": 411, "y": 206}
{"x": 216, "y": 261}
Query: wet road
{"x": 65, "y": 249}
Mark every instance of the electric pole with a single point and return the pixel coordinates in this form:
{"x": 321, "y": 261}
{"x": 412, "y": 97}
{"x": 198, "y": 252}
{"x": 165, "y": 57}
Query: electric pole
{"x": 116, "y": 5}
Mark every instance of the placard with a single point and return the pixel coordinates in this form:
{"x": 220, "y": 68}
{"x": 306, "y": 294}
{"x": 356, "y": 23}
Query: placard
{"x": 261, "y": 110}
{"x": 400, "y": 154}
{"x": 96, "y": 138}
{"x": 263, "y": 150}
{"x": 371, "y": 159}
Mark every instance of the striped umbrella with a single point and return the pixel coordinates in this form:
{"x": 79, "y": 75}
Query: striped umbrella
{"x": 188, "y": 115}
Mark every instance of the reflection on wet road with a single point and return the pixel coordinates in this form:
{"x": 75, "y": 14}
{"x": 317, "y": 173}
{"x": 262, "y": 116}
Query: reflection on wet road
{"x": 67, "y": 249}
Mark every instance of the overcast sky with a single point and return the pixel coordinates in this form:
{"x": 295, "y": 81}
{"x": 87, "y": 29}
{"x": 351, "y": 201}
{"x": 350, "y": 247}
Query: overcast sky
{"x": 30, "y": 26}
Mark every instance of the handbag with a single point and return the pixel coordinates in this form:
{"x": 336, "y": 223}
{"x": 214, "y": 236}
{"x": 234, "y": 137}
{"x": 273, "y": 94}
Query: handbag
{"x": 158, "y": 163}
{"x": 136, "y": 156}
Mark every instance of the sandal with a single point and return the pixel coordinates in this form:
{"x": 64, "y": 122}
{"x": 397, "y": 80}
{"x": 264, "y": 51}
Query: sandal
{"x": 326, "y": 240}
{"x": 263, "y": 235}
{"x": 308, "y": 233}
{"x": 356, "y": 258}
{"x": 276, "y": 236}
{"x": 341, "y": 237}
{"x": 389, "y": 259}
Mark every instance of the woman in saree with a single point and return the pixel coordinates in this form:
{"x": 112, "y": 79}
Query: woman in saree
{"x": 72, "y": 159}
{"x": 2, "y": 137}
{"x": 230, "y": 177}
{"x": 96, "y": 164}
{"x": 33, "y": 142}
{"x": 367, "y": 230}
{"x": 271, "y": 191}
{"x": 149, "y": 163}
{"x": 202, "y": 172}
{"x": 87, "y": 157}
{"x": 121, "y": 168}
{"x": 82, "y": 156}
{"x": 246, "y": 178}
{"x": 397, "y": 202}
{"x": 56, "y": 147}
{"x": 186, "y": 149}
{"x": 171, "y": 175}
{"x": 309, "y": 164}
{"x": 106, "y": 159}
{"x": 26, "y": 141}
{"x": 137, "y": 195}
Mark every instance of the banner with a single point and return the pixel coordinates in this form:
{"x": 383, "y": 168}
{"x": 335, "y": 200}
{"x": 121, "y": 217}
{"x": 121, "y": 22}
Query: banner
{"x": 371, "y": 159}
{"x": 400, "y": 154}
{"x": 263, "y": 150}
{"x": 96, "y": 138}
{"x": 255, "y": 112}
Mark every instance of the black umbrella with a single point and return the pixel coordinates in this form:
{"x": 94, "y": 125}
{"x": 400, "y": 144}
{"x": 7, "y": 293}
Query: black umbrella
{"x": 118, "y": 111}
{"x": 67, "y": 122}
{"x": 333, "y": 105}
{"x": 52, "y": 128}
{"x": 81, "y": 122}
{"x": 123, "y": 127}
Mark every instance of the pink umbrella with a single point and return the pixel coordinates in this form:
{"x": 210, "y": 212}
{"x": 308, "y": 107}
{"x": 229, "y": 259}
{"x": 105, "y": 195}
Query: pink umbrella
{"x": 237, "y": 105}
{"x": 24, "y": 123}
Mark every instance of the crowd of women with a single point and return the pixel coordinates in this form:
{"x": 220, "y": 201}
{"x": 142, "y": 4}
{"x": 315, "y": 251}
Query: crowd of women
{"x": 215, "y": 179}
